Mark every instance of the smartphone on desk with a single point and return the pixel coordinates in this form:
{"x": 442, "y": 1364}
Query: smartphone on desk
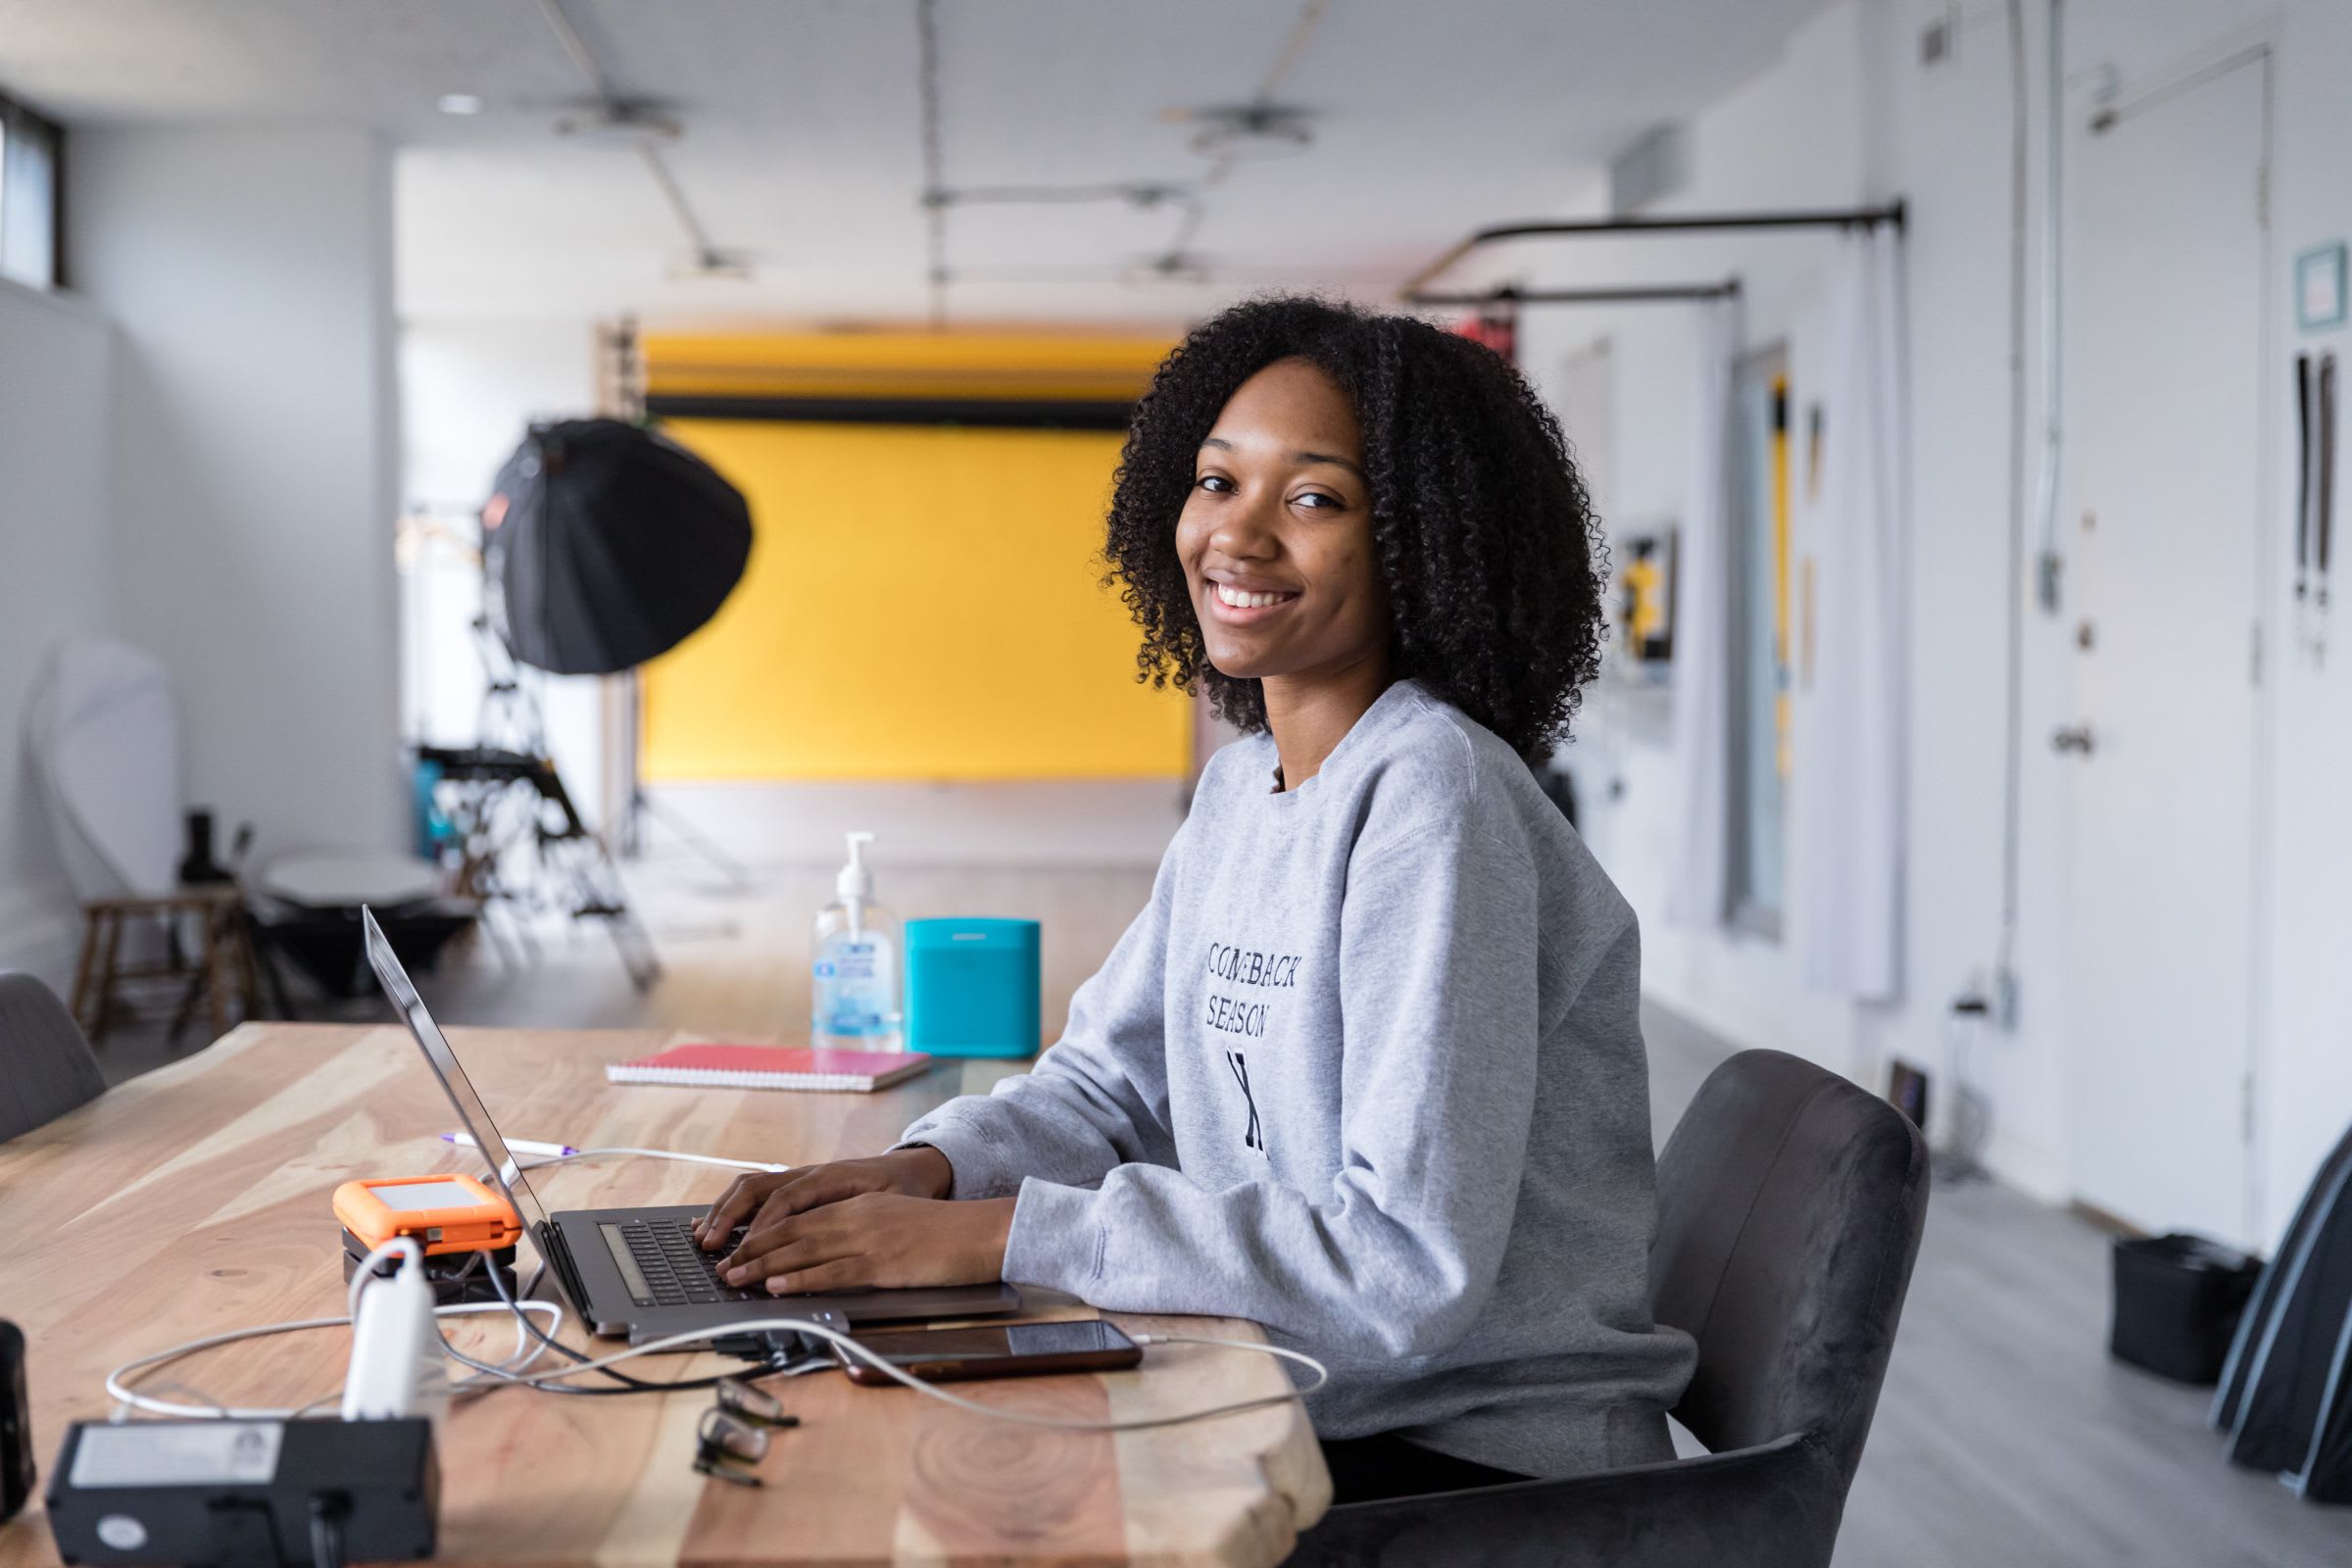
{"x": 1009, "y": 1350}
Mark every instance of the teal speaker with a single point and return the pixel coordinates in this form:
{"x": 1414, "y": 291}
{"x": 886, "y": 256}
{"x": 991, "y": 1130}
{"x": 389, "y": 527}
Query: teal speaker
{"x": 971, "y": 988}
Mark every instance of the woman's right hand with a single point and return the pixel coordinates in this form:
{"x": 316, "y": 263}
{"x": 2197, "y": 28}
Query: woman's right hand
{"x": 771, "y": 1195}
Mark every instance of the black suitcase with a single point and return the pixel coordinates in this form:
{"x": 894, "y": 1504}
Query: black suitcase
{"x": 2178, "y": 1301}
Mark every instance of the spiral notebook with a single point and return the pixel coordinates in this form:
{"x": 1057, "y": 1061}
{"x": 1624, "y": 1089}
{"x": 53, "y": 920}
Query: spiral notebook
{"x": 771, "y": 1067}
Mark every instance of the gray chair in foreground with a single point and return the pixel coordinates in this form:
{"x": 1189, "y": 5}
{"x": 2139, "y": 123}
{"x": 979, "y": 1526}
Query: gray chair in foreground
{"x": 46, "y": 1069}
{"x": 1789, "y": 1208}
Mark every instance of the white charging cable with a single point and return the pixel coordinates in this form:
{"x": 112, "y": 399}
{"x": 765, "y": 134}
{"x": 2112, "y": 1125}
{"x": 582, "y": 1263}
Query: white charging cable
{"x": 652, "y": 1154}
{"x": 526, "y": 1352}
{"x": 515, "y": 1369}
{"x": 880, "y": 1363}
{"x": 550, "y": 1153}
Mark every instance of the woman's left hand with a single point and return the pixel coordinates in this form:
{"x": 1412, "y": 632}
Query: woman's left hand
{"x": 879, "y": 1239}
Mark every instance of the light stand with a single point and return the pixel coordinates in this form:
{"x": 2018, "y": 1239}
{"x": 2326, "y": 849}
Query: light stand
{"x": 640, "y": 807}
{"x": 508, "y": 792}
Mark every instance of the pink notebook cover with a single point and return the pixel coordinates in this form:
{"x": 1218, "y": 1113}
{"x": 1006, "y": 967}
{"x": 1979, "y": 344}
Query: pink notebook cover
{"x": 769, "y": 1067}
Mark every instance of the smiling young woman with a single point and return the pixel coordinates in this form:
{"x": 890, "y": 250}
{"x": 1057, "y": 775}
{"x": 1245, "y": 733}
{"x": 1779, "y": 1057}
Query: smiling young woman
{"x": 1368, "y": 1069}
{"x": 1277, "y": 551}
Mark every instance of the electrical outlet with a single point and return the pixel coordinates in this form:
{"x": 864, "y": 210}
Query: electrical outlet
{"x": 1973, "y": 996}
{"x": 2004, "y": 1000}
{"x": 1939, "y": 40}
{"x": 2050, "y": 582}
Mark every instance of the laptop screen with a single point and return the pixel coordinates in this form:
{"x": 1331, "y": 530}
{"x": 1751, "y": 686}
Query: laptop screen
{"x": 472, "y": 1116}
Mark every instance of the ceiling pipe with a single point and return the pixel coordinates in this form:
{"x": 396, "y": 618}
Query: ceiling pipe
{"x": 618, "y": 111}
{"x": 1631, "y": 294}
{"x": 1696, "y": 222}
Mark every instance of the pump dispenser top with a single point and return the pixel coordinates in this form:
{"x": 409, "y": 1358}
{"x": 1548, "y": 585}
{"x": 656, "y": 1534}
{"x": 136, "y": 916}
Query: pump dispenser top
{"x": 856, "y": 880}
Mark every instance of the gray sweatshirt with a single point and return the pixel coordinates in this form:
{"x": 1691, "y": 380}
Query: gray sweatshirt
{"x": 1367, "y": 1070}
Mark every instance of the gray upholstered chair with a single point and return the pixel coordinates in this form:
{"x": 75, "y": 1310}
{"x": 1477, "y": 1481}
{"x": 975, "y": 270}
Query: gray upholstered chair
{"x": 46, "y": 1069}
{"x": 1789, "y": 1208}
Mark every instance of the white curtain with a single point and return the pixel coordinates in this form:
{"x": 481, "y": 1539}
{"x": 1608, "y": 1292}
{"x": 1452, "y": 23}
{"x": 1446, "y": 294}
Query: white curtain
{"x": 102, "y": 731}
{"x": 1849, "y": 778}
{"x": 1699, "y": 892}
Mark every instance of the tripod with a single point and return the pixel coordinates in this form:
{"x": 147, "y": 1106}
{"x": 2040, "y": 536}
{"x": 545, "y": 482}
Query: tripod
{"x": 504, "y": 798}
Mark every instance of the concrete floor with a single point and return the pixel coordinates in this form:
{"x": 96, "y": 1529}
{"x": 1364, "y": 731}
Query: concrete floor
{"x": 2005, "y": 1434}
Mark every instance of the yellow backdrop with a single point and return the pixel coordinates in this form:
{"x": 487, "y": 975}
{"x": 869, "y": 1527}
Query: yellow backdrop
{"x": 921, "y": 603}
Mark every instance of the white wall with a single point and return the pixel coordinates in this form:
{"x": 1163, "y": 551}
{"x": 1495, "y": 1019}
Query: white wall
{"x": 469, "y": 389}
{"x": 248, "y": 271}
{"x": 1849, "y": 115}
{"x": 2305, "y": 1070}
{"x": 55, "y": 531}
{"x": 1787, "y": 138}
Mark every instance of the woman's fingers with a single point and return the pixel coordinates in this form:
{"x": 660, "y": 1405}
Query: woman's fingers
{"x": 921, "y": 1171}
{"x": 741, "y": 1196}
{"x": 841, "y": 1274}
{"x": 739, "y": 1202}
{"x": 780, "y": 1222}
{"x": 784, "y": 1248}
{"x": 824, "y": 1186}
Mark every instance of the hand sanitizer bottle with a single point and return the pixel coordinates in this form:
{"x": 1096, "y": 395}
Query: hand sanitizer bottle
{"x": 854, "y": 996}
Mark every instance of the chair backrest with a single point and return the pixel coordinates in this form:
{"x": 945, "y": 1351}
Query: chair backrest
{"x": 1789, "y": 1208}
{"x": 46, "y": 1069}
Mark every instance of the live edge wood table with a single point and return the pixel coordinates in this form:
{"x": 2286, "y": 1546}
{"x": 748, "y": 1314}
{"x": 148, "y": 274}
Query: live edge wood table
{"x": 196, "y": 1199}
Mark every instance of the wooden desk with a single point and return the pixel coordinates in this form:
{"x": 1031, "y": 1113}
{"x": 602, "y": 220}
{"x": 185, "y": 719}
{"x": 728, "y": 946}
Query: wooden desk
{"x": 196, "y": 1199}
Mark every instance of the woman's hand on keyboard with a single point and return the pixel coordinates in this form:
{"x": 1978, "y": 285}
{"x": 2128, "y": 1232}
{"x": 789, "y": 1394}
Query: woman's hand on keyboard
{"x": 766, "y": 1198}
{"x": 875, "y": 1239}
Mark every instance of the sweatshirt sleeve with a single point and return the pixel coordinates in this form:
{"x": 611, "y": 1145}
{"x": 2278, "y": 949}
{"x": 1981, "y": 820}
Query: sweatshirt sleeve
{"x": 1439, "y": 1028}
{"x": 1097, "y": 1099}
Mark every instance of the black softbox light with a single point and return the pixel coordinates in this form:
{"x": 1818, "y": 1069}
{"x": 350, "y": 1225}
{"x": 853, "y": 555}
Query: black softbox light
{"x": 605, "y": 545}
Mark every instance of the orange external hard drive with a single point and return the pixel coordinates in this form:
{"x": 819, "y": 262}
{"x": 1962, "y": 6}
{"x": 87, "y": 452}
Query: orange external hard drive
{"x": 440, "y": 1214}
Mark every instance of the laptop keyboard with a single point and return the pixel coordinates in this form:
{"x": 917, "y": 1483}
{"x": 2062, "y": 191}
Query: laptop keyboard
{"x": 673, "y": 1268}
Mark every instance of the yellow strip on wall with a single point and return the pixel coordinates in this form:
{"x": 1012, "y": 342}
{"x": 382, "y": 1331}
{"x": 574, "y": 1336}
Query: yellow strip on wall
{"x": 921, "y": 603}
{"x": 901, "y": 364}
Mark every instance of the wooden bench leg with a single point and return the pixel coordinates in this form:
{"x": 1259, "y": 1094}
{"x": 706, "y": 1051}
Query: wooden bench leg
{"x": 84, "y": 965}
{"x": 247, "y": 967}
{"x": 109, "y": 957}
{"x": 216, "y": 971}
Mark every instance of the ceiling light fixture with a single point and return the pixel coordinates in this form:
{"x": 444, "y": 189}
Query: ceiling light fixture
{"x": 1174, "y": 267}
{"x": 459, "y": 103}
{"x": 1251, "y": 131}
{"x": 620, "y": 120}
{"x": 725, "y": 266}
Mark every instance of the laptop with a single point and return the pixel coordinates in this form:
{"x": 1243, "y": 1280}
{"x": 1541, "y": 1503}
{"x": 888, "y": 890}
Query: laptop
{"x": 639, "y": 1271}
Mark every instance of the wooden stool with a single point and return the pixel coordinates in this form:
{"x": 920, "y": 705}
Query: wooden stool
{"x": 224, "y": 960}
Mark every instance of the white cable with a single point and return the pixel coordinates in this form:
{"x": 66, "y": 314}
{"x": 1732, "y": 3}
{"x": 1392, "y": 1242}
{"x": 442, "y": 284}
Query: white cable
{"x": 898, "y": 1374}
{"x": 514, "y": 1370}
{"x": 122, "y": 1393}
{"x": 654, "y": 1154}
{"x": 527, "y": 1348}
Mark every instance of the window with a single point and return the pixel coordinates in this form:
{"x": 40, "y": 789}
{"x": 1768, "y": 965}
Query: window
{"x": 1759, "y": 638}
{"x": 31, "y": 150}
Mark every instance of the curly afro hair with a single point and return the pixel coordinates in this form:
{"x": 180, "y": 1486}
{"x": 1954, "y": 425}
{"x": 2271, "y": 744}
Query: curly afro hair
{"x": 1482, "y": 526}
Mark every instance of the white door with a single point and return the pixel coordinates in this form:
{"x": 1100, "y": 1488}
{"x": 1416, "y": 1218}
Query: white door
{"x": 2164, "y": 409}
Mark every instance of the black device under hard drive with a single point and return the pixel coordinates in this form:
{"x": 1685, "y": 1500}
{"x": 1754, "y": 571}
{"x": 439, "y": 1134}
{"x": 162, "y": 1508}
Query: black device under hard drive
{"x": 16, "y": 1424}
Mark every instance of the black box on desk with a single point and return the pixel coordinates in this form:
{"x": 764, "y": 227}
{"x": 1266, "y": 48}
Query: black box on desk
{"x": 2178, "y": 1298}
{"x": 244, "y": 1493}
